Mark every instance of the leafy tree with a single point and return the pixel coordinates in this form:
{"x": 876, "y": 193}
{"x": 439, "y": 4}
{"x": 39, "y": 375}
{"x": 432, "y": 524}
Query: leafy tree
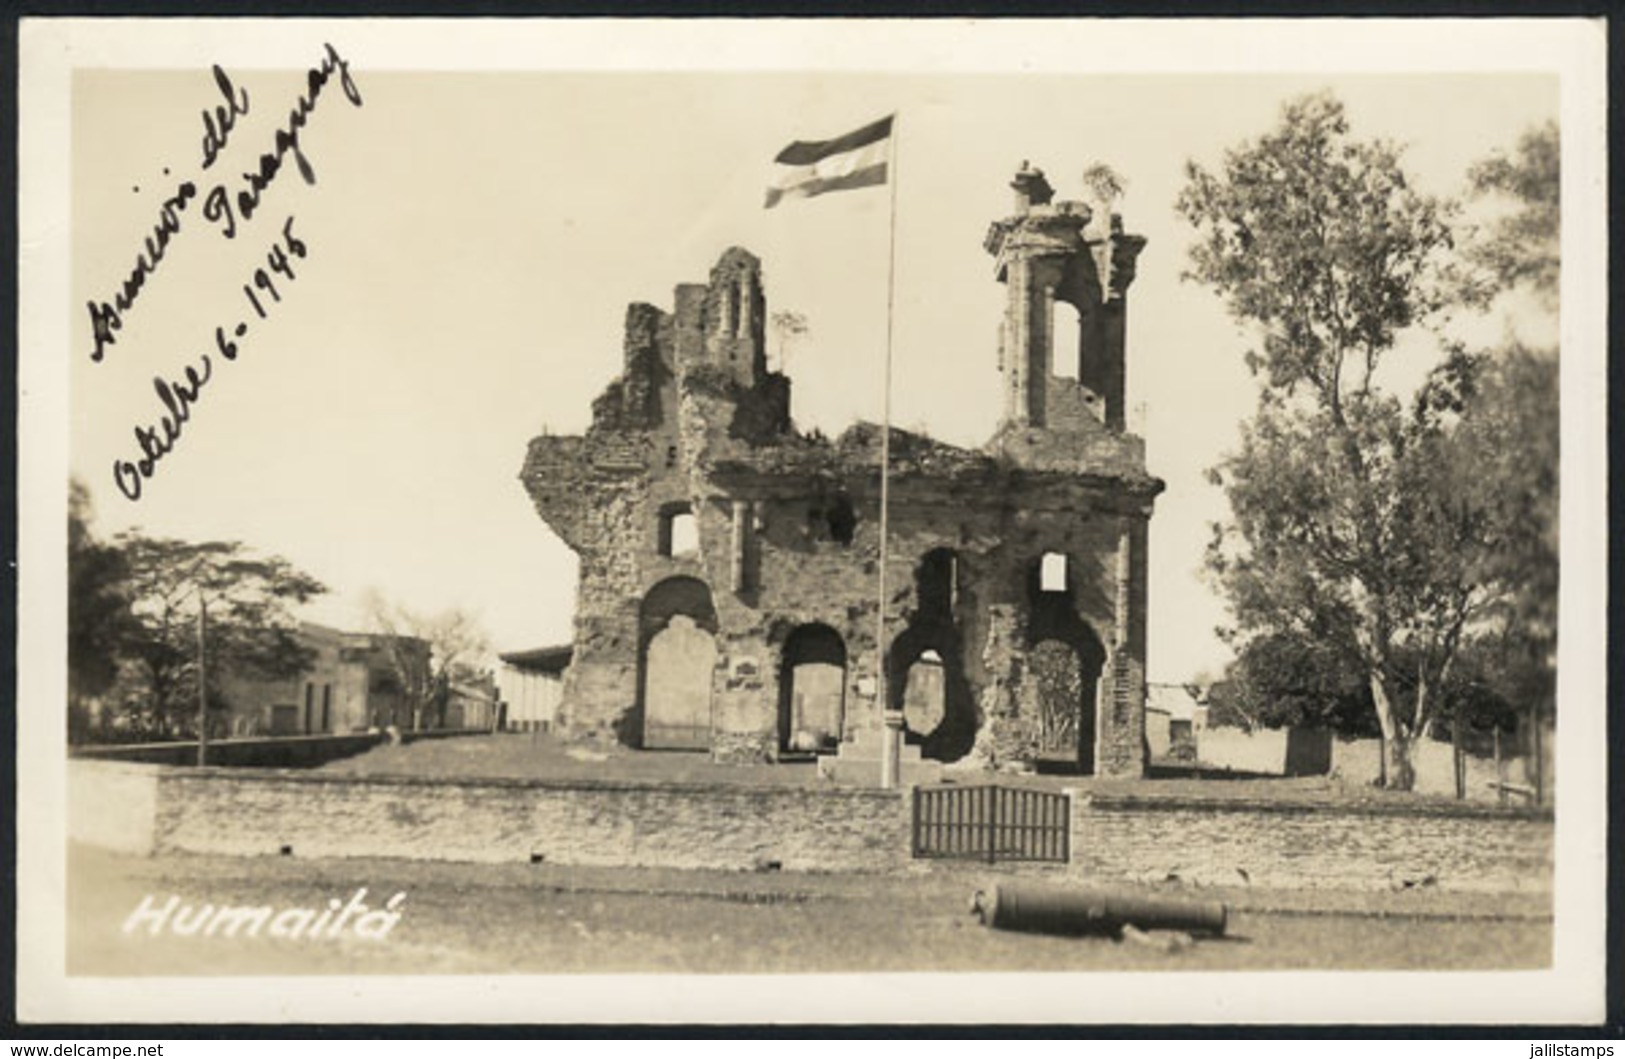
{"x": 98, "y": 611}
{"x": 1104, "y": 184}
{"x": 250, "y": 630}
{"x": 1522, "y": 247}
{"x": 427, "y": 652}
{"x": 1283, "y": 680}
{"x": 1348, "y": 524}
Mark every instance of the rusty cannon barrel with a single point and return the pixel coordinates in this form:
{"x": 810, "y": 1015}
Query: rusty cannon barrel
{"x": 1065, "y": 910}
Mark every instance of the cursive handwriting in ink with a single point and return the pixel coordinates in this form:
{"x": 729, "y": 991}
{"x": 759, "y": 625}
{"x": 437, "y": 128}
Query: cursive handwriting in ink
{"x": 180, "y": 396}
{"x": 218, "y": 206}
{"x": 107, "y": 317}
{"x": 217, "y": 124}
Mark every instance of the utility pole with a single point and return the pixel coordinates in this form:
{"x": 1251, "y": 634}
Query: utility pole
{"x": 202, "y": 683}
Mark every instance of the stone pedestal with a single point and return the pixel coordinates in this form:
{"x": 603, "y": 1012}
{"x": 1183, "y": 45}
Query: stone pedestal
{"x": 858, "y": 762}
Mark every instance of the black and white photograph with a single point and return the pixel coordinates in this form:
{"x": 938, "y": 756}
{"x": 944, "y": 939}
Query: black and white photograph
{"x": 1041, "y": 521}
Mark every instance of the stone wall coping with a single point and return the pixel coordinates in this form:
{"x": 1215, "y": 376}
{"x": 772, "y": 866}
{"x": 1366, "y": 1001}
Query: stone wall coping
{"x": 113, "y": 750}
{"x": 1115, "y": 802}
{"x": 261, "y": 775}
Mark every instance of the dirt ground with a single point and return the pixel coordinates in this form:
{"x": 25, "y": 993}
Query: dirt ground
{"x": 548, "y": 919}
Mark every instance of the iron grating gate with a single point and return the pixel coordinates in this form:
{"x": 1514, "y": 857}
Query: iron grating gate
{"x": 992, "y": 824}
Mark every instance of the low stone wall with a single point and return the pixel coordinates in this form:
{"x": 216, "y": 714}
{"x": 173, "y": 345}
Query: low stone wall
{"x": 1240, "y": 842}
{"x": 282, "y": 751}
{"x": 1230, "y": 841}
{"x": 1360, "y": 761}
{"x": 1266, "y": 752}
{"x": 580, "y": 822}
{"x": 113, "y": 805}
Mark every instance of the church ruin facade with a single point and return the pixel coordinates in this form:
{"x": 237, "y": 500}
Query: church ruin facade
{"x": 728, "y": 590}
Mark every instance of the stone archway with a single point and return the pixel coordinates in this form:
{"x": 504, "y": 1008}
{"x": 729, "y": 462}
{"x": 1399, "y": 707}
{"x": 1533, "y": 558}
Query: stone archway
{"x": 812, "y": 689}
{"x": 925, "y": 666}
{"x": 1065, "y": 659}
{"x": 1064, "y": 693}
{"x": 676, "y": 663}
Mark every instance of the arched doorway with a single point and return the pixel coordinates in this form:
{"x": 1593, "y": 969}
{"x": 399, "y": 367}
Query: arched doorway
{"x": 812, "y": 690}
{"x": 1062, "y": 675}
{"x": 925, "y": 669}
{"x": 925, "y": 694}
{"x": 677, "y": 629}
{"x": 1064, "y": 690}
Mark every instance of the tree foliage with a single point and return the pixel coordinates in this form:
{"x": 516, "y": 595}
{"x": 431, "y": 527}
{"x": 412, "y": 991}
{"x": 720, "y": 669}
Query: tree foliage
{"x": 1375, "y": 527}
{"x": 98, "y": 609}
{"x": 1103, "y": 183}
{"x": 249, "y": 626}
{"x": 1521, "y": 247}
{"x": 427, "y": 652}
{"x": 1282, "y": 680}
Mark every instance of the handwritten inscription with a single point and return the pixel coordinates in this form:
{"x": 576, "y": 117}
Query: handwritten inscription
{"x": 107, "y": 317}
{"x": 179, "y": 396}
{"x": 220, "y": 206}
{"x": 217, "y": 125}
{"x": 229, "y": 205}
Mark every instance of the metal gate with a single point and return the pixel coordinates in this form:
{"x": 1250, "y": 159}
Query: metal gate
{"x": 992, "y": 824}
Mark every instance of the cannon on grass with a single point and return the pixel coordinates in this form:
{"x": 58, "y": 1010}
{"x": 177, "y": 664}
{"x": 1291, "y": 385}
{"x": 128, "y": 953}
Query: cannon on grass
{"x": 1048, "y": 909}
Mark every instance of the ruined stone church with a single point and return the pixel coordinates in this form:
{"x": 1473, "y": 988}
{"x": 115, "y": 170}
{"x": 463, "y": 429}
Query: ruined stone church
{"x": 727, "y": 597}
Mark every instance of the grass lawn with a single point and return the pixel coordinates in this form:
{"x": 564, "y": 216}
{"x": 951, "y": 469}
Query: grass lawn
{"x": 543, "y": 757}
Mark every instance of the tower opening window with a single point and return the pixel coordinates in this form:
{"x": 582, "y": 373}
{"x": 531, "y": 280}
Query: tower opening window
{"x": 679, "y": 533}
{"x": 1066, "y": 334}
{"x": 1052, "y": 573}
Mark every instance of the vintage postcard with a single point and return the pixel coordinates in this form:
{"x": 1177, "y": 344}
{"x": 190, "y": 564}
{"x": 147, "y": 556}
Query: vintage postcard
{"x": 833, "y": 520}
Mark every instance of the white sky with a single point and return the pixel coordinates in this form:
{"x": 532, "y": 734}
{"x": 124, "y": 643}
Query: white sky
{"x": 475, "y": 237}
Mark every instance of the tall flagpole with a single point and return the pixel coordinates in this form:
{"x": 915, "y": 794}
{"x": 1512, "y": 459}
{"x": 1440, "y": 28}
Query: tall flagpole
{"x": 892, "y": 731}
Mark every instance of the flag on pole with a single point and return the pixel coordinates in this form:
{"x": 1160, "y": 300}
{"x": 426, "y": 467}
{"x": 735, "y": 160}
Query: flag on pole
{"x": 859, "y": 159}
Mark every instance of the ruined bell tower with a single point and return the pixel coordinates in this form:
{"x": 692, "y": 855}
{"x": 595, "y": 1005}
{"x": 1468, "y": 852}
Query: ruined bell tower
{"x": 1066, "y": 267}
{"x": 727, "y": 601}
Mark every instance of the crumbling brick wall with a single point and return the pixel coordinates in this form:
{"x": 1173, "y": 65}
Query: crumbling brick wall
{"x": 788, "y": 525}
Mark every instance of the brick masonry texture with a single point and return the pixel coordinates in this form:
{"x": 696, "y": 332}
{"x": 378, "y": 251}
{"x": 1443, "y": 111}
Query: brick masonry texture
{"x": 1310, "y": 847}
{"x": 144, "y": 809}
{"x": 738, "y": 827}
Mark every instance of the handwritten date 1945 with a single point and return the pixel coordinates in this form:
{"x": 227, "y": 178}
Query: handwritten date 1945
{"x": 179, "y": 396}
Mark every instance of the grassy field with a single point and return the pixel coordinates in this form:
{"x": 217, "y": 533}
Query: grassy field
{"x": 544, "y": 919}
{"x": 542, "y": 757}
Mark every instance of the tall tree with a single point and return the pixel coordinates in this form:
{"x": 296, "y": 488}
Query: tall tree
{"x": 98, "y": 610}
{"x": 1340, "y": 531}
{"x": 250, "y": 624}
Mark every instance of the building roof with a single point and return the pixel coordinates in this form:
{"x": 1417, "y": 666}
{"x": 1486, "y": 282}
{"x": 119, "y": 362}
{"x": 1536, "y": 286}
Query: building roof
{"x": 1178, "y": 701}
{"x": 540, "y": 659}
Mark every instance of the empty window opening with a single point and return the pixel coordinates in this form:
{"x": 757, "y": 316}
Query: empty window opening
{"x": 1066, "y": 336}
{"x": 843, "y": 521}
{"x": 1052, "y": 573}
{"x": 730, "y": 312}
{"x": 936, "y": 581}
{"x": 679, "y": 533}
